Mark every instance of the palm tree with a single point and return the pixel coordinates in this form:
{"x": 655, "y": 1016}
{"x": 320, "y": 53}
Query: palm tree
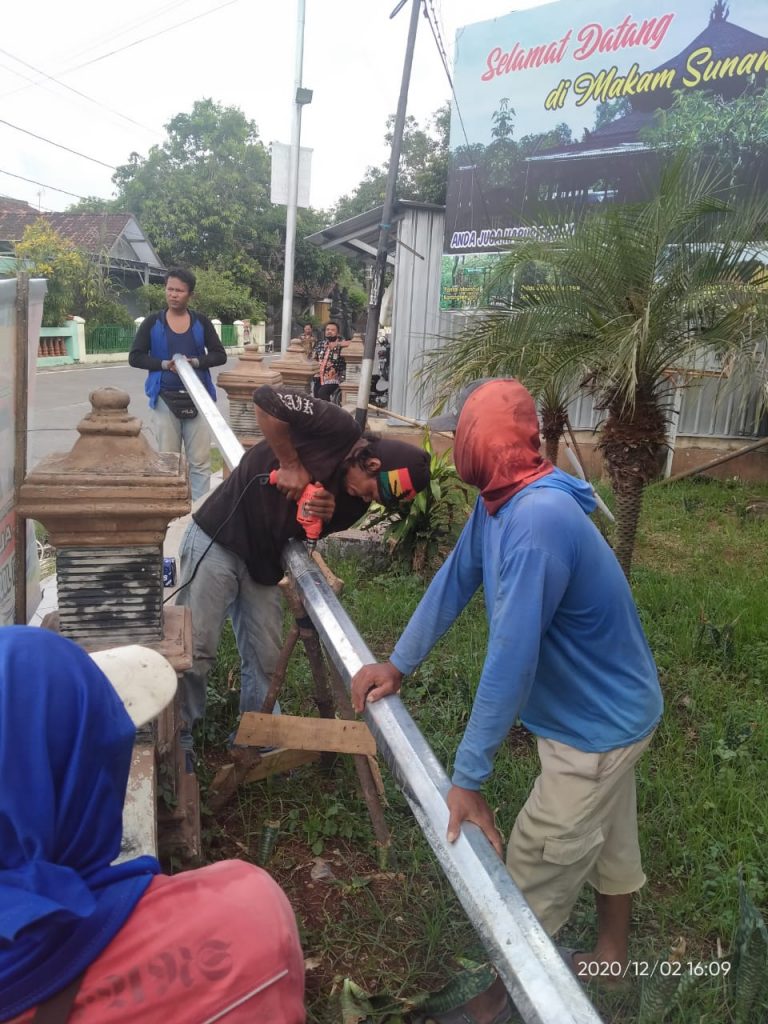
{"x": 630, "y": 293}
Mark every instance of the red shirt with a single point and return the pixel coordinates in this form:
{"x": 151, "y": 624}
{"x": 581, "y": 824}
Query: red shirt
{"x": 219, "y": 943}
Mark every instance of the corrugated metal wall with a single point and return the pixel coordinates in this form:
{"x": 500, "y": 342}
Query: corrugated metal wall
{"x": 710, "y": 407}
{"x": 417, "y": 323}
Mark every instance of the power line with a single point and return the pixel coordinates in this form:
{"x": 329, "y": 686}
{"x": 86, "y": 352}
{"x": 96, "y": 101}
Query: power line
{"x": 58, "y": 145}
{"x": 128, "y": 26}
{"x": 41, "y": 184}
{"x": 444, "y": 59}
{"x": 71, "y": 88}
{"x": 144, "y": 39}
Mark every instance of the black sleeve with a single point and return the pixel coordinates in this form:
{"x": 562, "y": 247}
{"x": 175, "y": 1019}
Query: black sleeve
{"x": 215, "y": 353}
{"x": 305, "y": 414}
{"x": 139, "y": 356}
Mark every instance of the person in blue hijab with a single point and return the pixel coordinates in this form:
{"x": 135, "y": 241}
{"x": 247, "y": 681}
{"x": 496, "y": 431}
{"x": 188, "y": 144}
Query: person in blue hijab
{"x": 84, "y": 938}
{"x": 65, "y": 752}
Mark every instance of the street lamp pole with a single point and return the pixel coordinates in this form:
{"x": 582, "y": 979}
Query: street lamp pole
{"x": 300, "y": 98}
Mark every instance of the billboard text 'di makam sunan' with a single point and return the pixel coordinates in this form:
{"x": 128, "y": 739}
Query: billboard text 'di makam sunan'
{"x": 568, "y": 105}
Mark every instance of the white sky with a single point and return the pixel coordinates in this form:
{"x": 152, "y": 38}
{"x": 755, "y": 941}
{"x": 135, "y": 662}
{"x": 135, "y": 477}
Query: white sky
{"x": 241, "y": 55}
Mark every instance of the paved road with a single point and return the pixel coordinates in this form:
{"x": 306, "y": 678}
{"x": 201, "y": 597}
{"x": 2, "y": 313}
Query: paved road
{"x": 61, "y": 400}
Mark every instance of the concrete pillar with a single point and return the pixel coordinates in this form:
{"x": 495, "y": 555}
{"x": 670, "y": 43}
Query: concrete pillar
{"x": 295, "y": 368}
{"x": 353, "y": 354}
{"x": 239, "y": 383}
{"x": 216, "y": 326}
{"x": 259, "y": 335}
{"x": 79, "y": 347}
{"x": 106, "y": 505}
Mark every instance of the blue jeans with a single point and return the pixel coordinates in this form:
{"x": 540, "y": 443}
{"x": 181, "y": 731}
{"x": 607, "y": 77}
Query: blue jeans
{"x": 194, "y": 433}
{"x": 221, "y": 589}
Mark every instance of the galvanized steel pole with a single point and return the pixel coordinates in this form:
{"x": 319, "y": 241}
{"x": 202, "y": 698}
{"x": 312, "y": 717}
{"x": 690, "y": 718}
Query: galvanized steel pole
{"x": 230, "y": 448}
{"x": 293, "y": 184}
{"x": 542, "y": 986}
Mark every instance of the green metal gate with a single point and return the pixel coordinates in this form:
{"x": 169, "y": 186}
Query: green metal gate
{"x": 108, "y": 338}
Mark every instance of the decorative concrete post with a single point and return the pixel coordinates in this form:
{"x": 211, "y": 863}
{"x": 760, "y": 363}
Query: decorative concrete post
{"x": 295, "y": 368}
{"x": 239, "y": 383}
{"x": 216, "y": 326}
{"x": 106, "y": 505}
{"x": 79, "y": 352}
{"x": 353, "y": 354}
{"x": 259, "y": 335}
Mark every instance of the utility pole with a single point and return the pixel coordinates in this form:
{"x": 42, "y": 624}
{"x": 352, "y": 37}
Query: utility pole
{"x": 301, "y": 97}
{"x": 380, "y": 267}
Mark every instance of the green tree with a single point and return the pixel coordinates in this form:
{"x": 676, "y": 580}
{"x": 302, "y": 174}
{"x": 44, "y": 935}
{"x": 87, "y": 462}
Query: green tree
{"x": 203, "y": 199}
{"x": 611, "y": 110}
{"x": 735, "y": 131}
{"x": 201, "y": 195}
{"x": 423, "y": 170}
{"x": 77, "y": 285}
{"x": 503, "y": 120}
{"x": 65, "y": 268}
{"x": 631, "y": 292}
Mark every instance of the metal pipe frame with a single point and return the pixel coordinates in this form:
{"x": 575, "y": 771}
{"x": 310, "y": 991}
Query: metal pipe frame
{"x": 543, "y": 987}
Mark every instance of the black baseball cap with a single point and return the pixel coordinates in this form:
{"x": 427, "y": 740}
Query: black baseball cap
{"x": 449, "y": 420}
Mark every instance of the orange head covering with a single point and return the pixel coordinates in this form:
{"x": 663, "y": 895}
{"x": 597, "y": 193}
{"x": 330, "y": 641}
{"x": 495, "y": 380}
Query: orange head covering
{"x": 497, "y": 442}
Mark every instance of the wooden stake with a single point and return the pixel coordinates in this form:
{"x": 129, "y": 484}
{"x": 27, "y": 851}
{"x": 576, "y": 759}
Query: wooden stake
{"x": 21, "y": 416}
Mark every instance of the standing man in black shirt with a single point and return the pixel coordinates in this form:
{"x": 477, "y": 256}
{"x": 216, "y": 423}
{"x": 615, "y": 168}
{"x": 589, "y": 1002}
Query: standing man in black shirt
{"x": 178, "y": 330}
{"x": 234, "y": 543}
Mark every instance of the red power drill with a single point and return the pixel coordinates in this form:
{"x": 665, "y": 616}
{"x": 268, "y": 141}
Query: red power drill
{"x": 312, "y": 524}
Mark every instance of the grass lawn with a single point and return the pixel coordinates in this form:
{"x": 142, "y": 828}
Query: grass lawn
{"x": 699, "y": 582}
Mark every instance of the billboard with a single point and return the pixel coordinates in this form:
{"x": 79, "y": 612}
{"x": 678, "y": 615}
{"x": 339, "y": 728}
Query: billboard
{"x": 568, "y": 105}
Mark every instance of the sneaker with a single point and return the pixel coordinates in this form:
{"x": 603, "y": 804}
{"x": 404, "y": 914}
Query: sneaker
{"x": 231, "y": 745}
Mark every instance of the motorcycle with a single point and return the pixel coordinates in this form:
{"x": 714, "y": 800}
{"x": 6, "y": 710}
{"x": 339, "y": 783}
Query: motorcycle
{"x": 379, "y": 395}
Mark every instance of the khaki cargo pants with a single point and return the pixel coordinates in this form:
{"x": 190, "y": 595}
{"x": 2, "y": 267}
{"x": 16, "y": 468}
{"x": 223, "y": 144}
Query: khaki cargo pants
{"x": 578, "y": 825}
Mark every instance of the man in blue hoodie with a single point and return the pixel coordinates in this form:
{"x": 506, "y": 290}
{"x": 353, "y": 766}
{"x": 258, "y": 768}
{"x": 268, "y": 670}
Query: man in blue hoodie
{"x": 566, "y": 654}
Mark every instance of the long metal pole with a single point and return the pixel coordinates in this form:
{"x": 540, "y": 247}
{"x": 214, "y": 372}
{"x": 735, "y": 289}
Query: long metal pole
{"x": 230, "y": 448}
{"x": 542, "y": 986}
{"x": 293, "y": 184}
{"x": 544, "y": 989}
{"x": 380, "y": 267}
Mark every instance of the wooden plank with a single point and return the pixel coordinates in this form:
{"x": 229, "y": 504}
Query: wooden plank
{"x": 140, "y": 807}
{"x": 298, "y": 733}
{"x": 280, "y": 761}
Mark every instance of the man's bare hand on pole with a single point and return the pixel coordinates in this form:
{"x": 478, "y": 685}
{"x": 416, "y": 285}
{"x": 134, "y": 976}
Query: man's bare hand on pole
{"x": 373, "y": 682}
{"x": 469, "y": 805}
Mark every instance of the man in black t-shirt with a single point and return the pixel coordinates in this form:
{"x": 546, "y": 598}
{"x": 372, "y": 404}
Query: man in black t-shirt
{"x": 232, "y": 549}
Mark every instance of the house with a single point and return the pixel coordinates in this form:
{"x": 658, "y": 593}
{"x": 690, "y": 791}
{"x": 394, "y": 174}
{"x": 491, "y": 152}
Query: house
{"x": 113, "y": 240}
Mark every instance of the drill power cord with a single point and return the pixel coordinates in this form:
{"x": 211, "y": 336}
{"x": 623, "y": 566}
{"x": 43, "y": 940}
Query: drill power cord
{"x": 254, "y": 479}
